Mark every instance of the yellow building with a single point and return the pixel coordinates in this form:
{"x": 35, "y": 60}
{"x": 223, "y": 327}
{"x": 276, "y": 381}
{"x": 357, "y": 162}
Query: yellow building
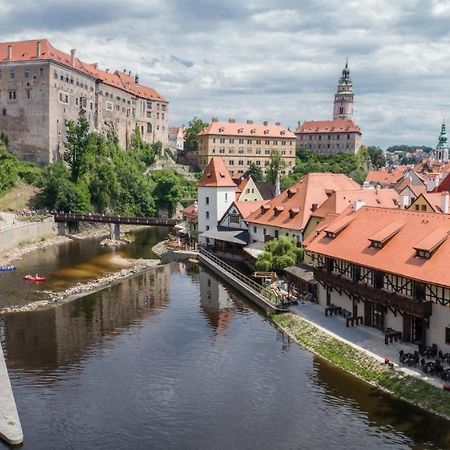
{"x": 431, "y": 202}
{"x": 240, "y": 144}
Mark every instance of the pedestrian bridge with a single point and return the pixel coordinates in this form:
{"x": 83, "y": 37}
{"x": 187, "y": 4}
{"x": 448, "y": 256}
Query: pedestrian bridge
{"x": 114, "y": 220}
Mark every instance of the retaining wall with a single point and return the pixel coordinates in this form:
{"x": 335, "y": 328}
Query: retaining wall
{"x": 33, "y": 231}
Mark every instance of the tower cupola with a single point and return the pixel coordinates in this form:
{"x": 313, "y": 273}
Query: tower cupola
{"x": 343, "y": 99}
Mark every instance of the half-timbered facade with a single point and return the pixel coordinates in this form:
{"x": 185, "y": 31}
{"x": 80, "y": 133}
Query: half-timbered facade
{"x": 388, "y": 267}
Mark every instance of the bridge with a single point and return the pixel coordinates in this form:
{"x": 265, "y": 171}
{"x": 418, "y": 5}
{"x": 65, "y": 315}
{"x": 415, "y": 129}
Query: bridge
{"x": 114, "y": 220}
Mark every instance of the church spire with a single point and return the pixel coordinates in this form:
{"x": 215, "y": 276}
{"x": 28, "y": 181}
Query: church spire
{"x": 343, "y": 99}
{"x": 442, "y": 148}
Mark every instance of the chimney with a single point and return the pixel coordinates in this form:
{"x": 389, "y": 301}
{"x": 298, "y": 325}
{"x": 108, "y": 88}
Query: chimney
{"x": 136, "y": 79}
{"x": 445, "y": 202}
{"x": 358, "y": 204}
{"x": 9, "y": 57}
{"x": 250, "y": 122}
{"x": 277, "y": 187}
{"x": 231, "y": 120}
{"x": 96, "y": 65}
{"x": 38, "y": 49}
{"x": 404, "y": 201}
{"x": 107, "y": 70}
{"x": 72, "y": 57}
{"x": 277, "y": 124}
{"x": 129, "y": 73}
{"x": 265, "y": 123}
{"x": 214, "y": 119}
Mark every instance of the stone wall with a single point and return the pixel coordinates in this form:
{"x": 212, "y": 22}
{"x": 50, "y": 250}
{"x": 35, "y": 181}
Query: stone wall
{"x": 34, "y": 231}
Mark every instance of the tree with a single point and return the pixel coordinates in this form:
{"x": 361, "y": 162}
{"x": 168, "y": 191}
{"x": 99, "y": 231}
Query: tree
{"x": 377, "y": 157}
{"x": 77, "y": 147}
{"x": 190, "y": 133}
{"x": 255, "y": 172}
{"x": 278, "y": 254}
{"x": 275, "y": 165}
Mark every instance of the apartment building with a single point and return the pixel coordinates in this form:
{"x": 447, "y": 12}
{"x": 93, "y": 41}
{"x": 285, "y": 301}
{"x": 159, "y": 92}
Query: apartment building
{"x": 240, "y": 144}
{"x": 41, "y": 88}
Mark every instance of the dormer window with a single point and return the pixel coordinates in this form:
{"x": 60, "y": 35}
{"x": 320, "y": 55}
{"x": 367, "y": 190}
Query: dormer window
{"x": 376, "y": 244}
{"x": 253, "y": 131}
{"x": 293, "y": 212}
{"x": 266, "y": 131}
{"x": 241, "y": 130}
{"x": 282, "y": 132}
{"x": 428, "y": 246}
{"x": 425, "y": 254}
{"x": 221, "y": 130}
{"x": 264, "y": 208}
{"x": 330, "y": 234}
{"x": 291, "y": 192}
{"x": 278, "y": 210}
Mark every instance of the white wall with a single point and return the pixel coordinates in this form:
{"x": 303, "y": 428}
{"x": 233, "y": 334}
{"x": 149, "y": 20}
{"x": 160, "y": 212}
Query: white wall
{"x": 439, "y": 320}
{"x": 220, "y": 199}
{"x": 257, "y": 232}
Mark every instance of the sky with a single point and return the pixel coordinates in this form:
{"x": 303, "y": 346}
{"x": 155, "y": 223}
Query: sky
{"x": 274, "y": 60}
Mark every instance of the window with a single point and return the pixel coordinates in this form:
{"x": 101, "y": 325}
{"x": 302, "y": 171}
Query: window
{"x": 207, "y": 215}
{"x": 249, "y": 141}
{"x": 55, "y": 74}
{"x": 423, "y": 207}
{"x": 207, "y": 228}
{"x": 27, "y": 73}
{"x": 12, "y": 74}
{"x": 4, "y": 112}
{"x": 234, "y": 218}
{"x": 12, "y": 95}
{"x": 226, "y": 197}
{"x": 149, "y": 127}
{"x": 41, "y": 71}
{"x": 254, "y": 229}
{"x": 63, "y": 97}
{"x": 447, "y": 335}
{"x": 417, "y": 207}
{"x": 276, "y": 234}
{"x": 264, "y": 231}
{"x": 221, "y": 140}
{"x": 231, "y": 141}
{"x": 207, "y": 200}
{"x": 109, "y": 106}
{"x": 28, "y": 93}
{"x": 241, "y": 162}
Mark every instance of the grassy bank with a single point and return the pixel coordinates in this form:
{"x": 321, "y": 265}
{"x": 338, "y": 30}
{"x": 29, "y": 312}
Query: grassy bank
{"x": 348, "y": 358}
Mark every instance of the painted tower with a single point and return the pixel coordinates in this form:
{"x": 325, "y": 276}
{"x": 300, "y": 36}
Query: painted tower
{"x": 343, "y": 99}
{"x": 216, "y": 192}
{"x": 442, "y": 147}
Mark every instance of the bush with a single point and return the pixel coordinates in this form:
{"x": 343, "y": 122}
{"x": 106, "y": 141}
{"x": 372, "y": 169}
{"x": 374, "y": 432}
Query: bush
{"x": 279, "y": 253}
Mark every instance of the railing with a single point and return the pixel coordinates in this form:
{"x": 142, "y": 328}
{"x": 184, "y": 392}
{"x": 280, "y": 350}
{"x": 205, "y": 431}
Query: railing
{"x": 72, "y": 217}
{"x": 389, "y": 299}
{"x": 270, "y": 296}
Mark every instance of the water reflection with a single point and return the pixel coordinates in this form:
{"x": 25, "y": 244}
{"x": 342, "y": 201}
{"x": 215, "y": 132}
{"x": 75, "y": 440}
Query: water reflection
{"x": 381, "y": 410}
{"x": 51, "y": 339}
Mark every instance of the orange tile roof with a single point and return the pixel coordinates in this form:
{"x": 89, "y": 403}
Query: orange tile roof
{"x": 26, "y": 51}
{"x": 216, "y": 175}
{"x": 340, "y": 200}
{"x": 433, "y": 240}
{"x": 247, "y": 208}
{"x": 398, "y": 255}
{"x": 312, "y": 189}
{"x": 328, "y": 126}
{"x": 324, "y": 222}
{"x": 444, "y": 184}
{"x": 386, "y": 176}
{"x": 247, "y": 130}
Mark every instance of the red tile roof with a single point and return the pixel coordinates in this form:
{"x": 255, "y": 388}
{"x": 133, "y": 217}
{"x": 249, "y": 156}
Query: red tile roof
{"x": 190, "y": 213}
{"x": 340, "y": 200}
{"x": 312, "y": 189}
{"x": 328, "y": 126}
{"x": 246, "y": 130}
{"x": 216, "y": 175}
{"x": 386, "y": 176}
{"x": 26, "y": 51}
{"x": 398, "y": 255}
{"x": 247, "y": 208}
{"x": 444, "y": 185}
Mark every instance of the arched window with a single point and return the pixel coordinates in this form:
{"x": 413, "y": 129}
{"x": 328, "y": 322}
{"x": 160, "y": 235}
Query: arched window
{"x": 341, "y": 110}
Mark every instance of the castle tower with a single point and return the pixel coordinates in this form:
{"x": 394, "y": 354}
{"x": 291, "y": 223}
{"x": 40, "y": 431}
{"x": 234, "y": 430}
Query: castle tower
{"x": 441, "y": 147}
{"x": 343, "y": 99}
{"x": 216, "y": 192}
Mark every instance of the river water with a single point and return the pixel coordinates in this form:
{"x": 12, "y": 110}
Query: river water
{"x": 173, "y": 359}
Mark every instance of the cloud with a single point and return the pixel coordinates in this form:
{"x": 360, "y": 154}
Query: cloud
{"x": 265, "y": 59}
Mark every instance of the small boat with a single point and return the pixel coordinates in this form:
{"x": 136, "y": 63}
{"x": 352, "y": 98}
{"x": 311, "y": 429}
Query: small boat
{"x": 34, "y": 278}
{"x": 7, "y": 268}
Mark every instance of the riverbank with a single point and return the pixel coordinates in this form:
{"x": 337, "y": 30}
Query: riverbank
{"x": 382, "y": 376}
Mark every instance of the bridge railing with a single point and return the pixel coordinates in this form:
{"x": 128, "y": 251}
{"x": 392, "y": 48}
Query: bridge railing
{"x": 270, "y": 295}
{"x": 73, "y": 217}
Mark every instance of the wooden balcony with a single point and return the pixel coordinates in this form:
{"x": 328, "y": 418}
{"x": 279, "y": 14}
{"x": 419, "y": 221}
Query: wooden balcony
{"x": 393, "y": 300}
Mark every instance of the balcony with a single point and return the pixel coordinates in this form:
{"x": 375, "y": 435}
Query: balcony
{"x": 392, "y": 300}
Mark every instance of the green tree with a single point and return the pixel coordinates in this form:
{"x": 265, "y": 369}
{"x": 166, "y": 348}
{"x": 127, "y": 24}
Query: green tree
{"x": 276, "y": 164}
{"x": 77, "y": 147}
{"x": 377, "y": 157}
{"x": 255, "y": 172}
{"x": 278, "y": 254}
{"x": 190, "y": 134}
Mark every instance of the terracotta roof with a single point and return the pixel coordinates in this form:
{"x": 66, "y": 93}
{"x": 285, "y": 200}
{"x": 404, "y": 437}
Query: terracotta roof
{"x": 340, "y": 200}
{"x": 398, "y": 255}
{"x": 324, "y": 222}
{"x": 247, "y": 130}
{"x": 444, "y": 184}
{"x": 386, "y": 176}
{"x": 328, "y": 126}
{"x": 312, "y": 189}
{"x": 26, "y": 51}
{"x": 246, "y": 208}
{"x": 190, "y": 213}
{"x": 216, "y": 175}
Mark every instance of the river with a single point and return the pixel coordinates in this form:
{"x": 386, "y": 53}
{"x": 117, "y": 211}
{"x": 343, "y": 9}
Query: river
{"x": 173, "y": 359}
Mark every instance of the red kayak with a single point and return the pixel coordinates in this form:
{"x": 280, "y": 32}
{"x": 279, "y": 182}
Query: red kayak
{"x": 33, "y": 278}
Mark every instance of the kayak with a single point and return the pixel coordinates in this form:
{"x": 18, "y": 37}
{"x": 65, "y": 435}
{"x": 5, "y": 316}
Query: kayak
{"x": 33, "y": 278}
{"x": 7, "y": 268}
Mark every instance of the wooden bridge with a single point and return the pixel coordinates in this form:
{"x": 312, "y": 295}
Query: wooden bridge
{"x": 114, "y": 220}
